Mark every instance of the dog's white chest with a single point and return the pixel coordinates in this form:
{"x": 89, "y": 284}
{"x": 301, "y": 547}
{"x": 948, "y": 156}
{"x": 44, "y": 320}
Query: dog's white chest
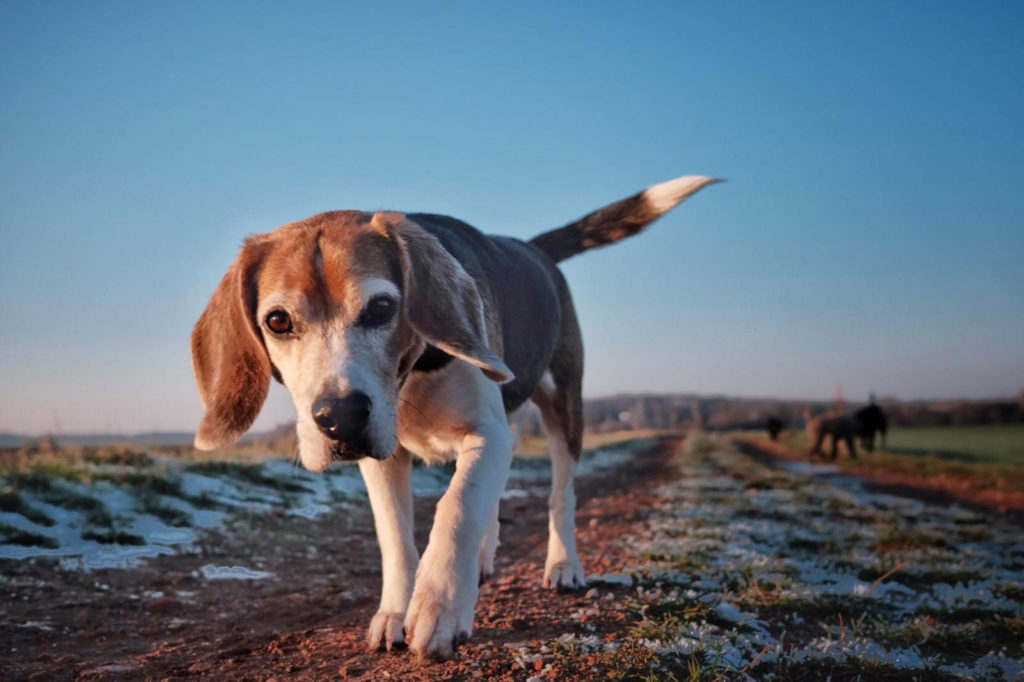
{"x": 431, "y": 449}
{"x": 436, "y": 410}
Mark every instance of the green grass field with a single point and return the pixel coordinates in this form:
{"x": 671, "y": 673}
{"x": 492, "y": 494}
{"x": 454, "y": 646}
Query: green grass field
{"x": 980, "y": 457}
{"x": 996, "y": 444}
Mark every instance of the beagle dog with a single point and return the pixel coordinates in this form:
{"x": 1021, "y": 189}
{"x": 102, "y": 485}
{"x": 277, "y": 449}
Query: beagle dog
{"x": 415, "y": 334}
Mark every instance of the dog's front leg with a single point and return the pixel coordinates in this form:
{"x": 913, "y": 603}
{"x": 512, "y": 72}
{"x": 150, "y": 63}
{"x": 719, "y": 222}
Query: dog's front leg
{"x": 389, "y": 485}
{"x": 440, "y": 614}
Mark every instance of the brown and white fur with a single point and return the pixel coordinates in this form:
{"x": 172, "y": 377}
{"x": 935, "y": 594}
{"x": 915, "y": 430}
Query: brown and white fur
{"x": 401, "y": 334}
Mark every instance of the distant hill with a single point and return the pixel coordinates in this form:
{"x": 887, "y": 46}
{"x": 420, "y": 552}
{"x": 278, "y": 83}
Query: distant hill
{"x": 10, "y": 440}
{"x": 157, "y": 438}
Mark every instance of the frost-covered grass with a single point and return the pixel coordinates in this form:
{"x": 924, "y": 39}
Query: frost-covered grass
{"x": 752, "y": 572}
{"x": 10, "y": 535}
{"x": 112, "y": 507}
{"x": 12, "y": 502}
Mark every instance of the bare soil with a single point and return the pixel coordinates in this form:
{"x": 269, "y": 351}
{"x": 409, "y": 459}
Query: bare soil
{"x": 165, "y": 620}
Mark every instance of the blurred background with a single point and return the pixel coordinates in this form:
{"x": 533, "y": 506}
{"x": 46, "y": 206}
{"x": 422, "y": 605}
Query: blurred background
{"x": 869, "y": 235}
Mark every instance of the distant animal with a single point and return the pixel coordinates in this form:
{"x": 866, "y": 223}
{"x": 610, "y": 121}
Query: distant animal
{"x": 871, "y": 420}
{"x": 774, "y": 426}
{"x": 416, "y": 333}
{"x": 837, "y": 426}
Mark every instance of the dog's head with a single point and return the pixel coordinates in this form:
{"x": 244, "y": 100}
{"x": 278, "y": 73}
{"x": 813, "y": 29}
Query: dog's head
{"x": 338, "y": 308}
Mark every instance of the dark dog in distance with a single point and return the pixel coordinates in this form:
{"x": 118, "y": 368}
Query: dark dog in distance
{"x": 837, "y": 425}
{"x": 862, "y": 425}
{"x": 871, "y": 420}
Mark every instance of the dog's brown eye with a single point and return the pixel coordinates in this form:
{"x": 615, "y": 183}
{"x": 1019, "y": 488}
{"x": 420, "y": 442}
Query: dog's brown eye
{"x": 279, "y": 322}
{"x": 379, "y": 311}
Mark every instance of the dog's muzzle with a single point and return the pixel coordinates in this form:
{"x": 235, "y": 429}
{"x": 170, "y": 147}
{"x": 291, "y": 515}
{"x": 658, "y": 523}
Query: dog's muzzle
{"x": 345, "y": 420}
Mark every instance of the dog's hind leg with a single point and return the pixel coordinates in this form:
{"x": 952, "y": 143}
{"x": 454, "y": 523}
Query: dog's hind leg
{"x": 562, "y": 569}
{"x": 489, "y": 547}
{"x": 559, "y": 397}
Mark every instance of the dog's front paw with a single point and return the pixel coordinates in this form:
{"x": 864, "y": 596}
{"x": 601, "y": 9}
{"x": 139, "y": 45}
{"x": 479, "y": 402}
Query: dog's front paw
{"x": 437, "y": 623}
{"x": 386, "y": 631}
{"x": 565, "y": 575}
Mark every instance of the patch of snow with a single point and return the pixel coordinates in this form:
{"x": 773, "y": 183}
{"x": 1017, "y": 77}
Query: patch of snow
{"x": 988, "y": 667}
{"x": 311, "y": 511}
{"x": 612, "y": 579}
{"x": 211, "y": 572}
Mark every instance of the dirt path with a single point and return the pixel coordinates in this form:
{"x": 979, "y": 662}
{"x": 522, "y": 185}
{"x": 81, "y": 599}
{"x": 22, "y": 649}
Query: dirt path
{"x": 706, "y": 563}
{"x": 302, "y": 614}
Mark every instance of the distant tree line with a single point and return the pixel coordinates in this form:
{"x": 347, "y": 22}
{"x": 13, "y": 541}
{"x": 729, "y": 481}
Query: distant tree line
{"x": 614, "y": 413}
{"x": 686, "y": 411}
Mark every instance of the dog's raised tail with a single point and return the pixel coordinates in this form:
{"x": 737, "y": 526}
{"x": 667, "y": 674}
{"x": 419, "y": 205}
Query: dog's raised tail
{"x": 619, "y": 220}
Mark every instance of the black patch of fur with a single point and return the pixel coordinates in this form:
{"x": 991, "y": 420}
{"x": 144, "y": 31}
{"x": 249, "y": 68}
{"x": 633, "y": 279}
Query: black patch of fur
{"x": 431, "y": 360}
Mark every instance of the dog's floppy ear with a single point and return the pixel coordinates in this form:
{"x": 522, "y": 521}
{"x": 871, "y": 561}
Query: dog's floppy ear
{"x": 441, "y": 299}
{"x": 230, "y": 361}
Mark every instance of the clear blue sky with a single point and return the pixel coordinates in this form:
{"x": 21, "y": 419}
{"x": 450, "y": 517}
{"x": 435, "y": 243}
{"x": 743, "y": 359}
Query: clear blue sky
{"x": 870, "y": 234}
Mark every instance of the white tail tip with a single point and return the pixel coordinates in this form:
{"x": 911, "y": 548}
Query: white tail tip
{"x": 665, "y": 196}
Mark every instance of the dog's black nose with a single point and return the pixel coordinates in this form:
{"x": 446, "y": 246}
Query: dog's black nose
{"x": 343, "y": 419}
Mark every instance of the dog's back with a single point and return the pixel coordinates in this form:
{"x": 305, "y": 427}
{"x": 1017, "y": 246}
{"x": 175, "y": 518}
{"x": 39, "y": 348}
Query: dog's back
{"x": 522, "y": 284}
